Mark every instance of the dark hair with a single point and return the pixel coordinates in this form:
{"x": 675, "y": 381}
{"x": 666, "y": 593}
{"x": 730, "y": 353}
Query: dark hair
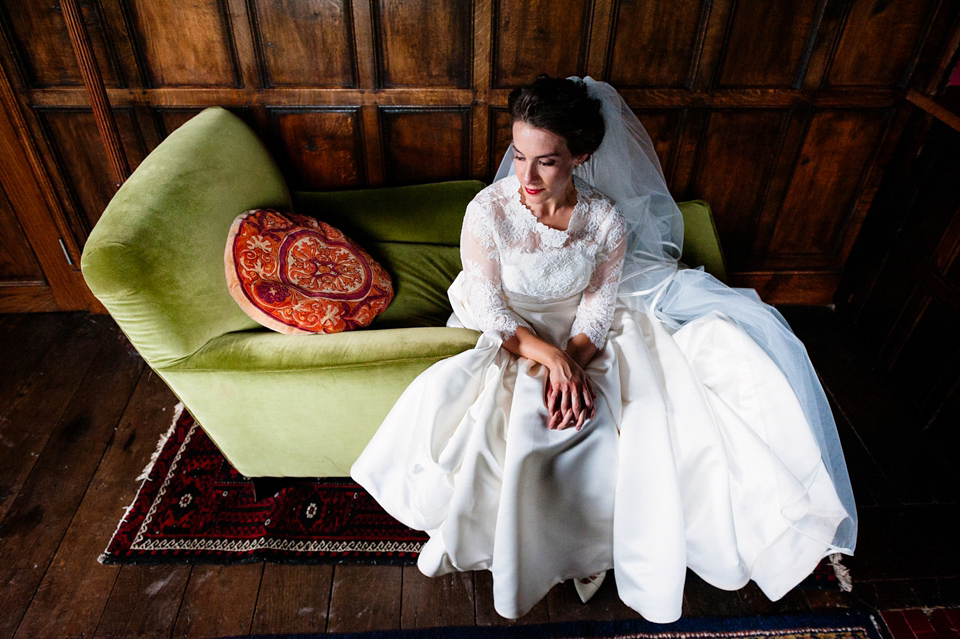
{"x": 563, "y": 107}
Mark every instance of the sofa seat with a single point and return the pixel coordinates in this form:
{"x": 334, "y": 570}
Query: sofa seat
{"x": 304, "y": 405}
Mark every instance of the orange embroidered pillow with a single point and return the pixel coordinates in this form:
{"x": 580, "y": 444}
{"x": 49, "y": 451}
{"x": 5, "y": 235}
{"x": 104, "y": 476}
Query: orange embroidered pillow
{"x": 295, "y": 274}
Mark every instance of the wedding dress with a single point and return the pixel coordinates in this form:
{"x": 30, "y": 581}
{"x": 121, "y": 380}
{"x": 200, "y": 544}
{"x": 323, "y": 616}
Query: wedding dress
{"x": 710, "y": 447}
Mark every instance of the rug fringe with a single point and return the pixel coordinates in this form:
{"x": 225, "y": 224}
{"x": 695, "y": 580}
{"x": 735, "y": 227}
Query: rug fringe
{"x": 842, "y": 573}
{"x": 177, "y": 412}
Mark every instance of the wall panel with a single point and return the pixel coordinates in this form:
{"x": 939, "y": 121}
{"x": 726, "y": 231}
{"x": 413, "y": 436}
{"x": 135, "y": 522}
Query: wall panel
{"x": 826, "y": 181}
{"x": 324, "y": 147}
{"x": 781, "y": 115}
{"x": 305, "y": 42}
{"x": 663, "y": 126}
{"x": 186, "y": 43}
{"x": 73, "y": 136}
{"x": 539, "y": 36}
{"x": 424, "y": 43}
{"x": 169, "y": 120}
{"x": 502, "y": 136}
{"x": 39, "y": 38}
{"x": 733, "y": 182}
{"x": 880, "y": 42}
{"x": 424, "y": 144}
{"x": 902, "y": 291}
{"x": 17, "y": 261}
{"x": 666, "y": 32}
{"x": 768, "y": 42}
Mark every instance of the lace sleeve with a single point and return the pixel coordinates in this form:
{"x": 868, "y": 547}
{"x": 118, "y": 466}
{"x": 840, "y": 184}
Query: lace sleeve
{"x": 595, "y": 312}
{"x": 481, "y": 269}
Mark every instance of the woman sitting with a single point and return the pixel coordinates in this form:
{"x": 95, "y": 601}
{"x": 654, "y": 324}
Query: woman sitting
{"x": 618, "y": 410}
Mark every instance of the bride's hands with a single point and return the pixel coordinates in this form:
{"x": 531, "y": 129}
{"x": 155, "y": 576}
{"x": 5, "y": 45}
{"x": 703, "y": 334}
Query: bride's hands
{"x": 567, "y": 392}
{"x": 568, "y": 395}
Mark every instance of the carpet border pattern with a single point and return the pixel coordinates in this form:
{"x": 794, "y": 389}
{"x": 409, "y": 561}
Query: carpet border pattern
{"x": 850, "y": 624}
{"x": 131, "y": 543}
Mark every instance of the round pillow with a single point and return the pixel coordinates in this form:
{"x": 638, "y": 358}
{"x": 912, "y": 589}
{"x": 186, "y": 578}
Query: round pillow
{"x": 296, "y": 274}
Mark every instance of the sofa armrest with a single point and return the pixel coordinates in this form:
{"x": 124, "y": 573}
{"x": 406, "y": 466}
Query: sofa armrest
{"x": 701, "y": 243}
{"x": 155, "y": 257}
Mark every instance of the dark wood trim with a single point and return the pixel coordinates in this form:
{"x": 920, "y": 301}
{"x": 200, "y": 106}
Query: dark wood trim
{"x": 598, "y": 46}
{"x": 636, "y": 98}
{"x": 248, "y": 61}
{"x": 364, "y": 48}
{"x": 96, "y": 93}
{"x": 27, "y": 298}
{"x": 813, "y": 288}
{"x": 480, "y": 121}
{"x": 929, "y": 105}
{"x": 38, "y": 209}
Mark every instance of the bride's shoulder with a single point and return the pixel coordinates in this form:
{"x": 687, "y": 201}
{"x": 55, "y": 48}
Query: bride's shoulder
{"x": 601, "y": 207}
{"x": 496, "y": 196}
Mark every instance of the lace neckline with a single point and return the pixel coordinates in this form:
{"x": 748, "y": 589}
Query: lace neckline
{"x": 553, "y": 236}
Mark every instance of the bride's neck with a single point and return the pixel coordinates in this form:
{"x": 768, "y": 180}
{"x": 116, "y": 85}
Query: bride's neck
{"x": 552, "y": 208}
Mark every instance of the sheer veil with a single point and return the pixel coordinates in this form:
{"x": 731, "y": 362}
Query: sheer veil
{"x": 626, "y": 169}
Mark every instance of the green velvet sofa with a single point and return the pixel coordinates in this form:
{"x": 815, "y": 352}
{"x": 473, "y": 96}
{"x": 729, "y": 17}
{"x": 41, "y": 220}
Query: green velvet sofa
{"x": 283, "y": 405}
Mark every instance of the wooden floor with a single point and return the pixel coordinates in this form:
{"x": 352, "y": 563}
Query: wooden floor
{"x": 80, "y": 415}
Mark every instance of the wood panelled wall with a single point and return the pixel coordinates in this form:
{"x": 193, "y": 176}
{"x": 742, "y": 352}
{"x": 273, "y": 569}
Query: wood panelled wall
{"x": 902, "y": 291}
{"x": 781, "y": 114}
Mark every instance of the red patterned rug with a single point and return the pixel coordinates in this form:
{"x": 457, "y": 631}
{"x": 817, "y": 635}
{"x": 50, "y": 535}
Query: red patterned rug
{"x": 193, "y": 507}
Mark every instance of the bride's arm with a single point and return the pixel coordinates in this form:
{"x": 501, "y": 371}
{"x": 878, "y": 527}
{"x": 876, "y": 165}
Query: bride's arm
{"x": 595, "y": 312}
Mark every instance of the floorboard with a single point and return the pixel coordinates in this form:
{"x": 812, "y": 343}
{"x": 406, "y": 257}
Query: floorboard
{"x": 71, "y": 597}
{"x": 365, "y": 598}
{"x": 563, "y": 603}
{"x": 80, "y": 417}
{"x": 219, "y": 601}
{"x": 24, "y": 341}
{"x": 43, "y": 508}
{"x": 144, "y": 602}
{"x": 439, "y": 601}
{"x": 35, "y": 411}
{"x": 293, "y": 599}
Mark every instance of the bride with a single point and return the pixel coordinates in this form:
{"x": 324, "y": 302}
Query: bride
{"x": 619, "y": 410}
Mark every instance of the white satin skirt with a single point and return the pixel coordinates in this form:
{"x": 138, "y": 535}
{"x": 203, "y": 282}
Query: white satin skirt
{"x": 699, "y": 456}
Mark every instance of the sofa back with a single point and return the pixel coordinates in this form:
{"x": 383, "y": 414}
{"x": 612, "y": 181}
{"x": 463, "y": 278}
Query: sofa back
{"x": 155, "y": 257}
{"x": 420, "y": 214}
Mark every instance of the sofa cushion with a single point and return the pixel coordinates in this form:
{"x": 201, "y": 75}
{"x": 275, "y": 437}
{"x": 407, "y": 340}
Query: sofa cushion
{"x": 421, "y": 273}
{"x": 295, "y": 274}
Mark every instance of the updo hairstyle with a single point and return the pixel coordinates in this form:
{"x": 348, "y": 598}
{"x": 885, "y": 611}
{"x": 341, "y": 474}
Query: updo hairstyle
{"x": 562, "y": 107}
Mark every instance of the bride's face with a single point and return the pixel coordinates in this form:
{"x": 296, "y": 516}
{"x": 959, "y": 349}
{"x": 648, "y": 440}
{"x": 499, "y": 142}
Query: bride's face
{"x": 543, "y": 163}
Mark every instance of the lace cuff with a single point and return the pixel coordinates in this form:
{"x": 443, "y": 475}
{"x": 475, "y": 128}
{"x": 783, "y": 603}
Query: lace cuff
{"x": 486, "y": 300}
{"x": 595, "y": 313}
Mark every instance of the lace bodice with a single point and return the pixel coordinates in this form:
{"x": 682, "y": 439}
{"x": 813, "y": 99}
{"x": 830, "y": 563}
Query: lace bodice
{"x": 508, "y": 254}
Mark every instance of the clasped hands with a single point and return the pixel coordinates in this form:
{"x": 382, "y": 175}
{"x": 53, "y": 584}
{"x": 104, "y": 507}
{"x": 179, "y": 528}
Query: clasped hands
{"x": 568, "y": 396}
{"x": 567, "y": 391}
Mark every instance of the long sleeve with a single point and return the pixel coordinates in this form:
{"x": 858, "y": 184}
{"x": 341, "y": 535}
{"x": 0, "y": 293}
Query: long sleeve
{"x": 481, "y": 268}
{"x": 595, "y": 312}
